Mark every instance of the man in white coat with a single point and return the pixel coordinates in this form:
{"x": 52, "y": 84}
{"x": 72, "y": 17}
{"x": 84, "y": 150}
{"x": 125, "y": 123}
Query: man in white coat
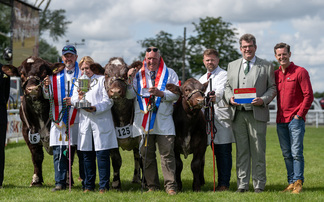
{"x": 60, "y": 90}
{"x": 97, "y": 131}
{"x": 150, "y": 81}
{"x": 224, "y": 137}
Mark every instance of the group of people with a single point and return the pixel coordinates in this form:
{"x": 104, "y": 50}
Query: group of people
{"x": 92, "y": 128}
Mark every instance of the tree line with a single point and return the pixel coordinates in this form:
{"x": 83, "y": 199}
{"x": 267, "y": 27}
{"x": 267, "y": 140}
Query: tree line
{"x": 209, "y": 32}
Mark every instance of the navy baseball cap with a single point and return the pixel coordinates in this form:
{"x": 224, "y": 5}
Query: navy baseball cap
{"x": 69, "y": 49}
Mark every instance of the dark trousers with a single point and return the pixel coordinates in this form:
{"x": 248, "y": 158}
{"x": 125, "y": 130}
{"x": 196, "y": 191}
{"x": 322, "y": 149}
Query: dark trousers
{"x": 3, "y": 130}
{"x": 81, "y": 167}
{"x": 90, "y": 169}
{"x": 223, "y": 154}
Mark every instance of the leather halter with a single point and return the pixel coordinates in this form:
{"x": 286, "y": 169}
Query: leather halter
{"x": 31, "y": 77}
{"x": 116, "y": 78}
{"x": 190, "y": 95}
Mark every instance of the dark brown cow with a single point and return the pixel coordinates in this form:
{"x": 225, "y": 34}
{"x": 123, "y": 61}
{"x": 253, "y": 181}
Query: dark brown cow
{"x": 190, "y": 128}
{"x": 123, "y": 112}
{"x": 34, "y": 109}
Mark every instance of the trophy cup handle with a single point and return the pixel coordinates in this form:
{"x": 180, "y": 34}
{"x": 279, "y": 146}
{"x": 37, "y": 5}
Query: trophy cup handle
{"x": 73, "y": 81}
{"x": 95, "y": 83}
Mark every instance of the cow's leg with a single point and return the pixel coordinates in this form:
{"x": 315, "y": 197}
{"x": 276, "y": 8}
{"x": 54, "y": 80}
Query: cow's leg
{"x": 201, "y": 176}
{"x": 197, "y": 168}
{"x": 179, "y": 167}
{"x": 137, "y": 168}
{"x": 116, "y": 162}
{"x": 37, "y": 155}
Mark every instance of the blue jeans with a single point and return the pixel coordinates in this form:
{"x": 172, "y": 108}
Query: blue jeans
{"x": 223, "y": 153}
{"x": 61, "y": 164}
{"x": 90, "y": 169}
{"x": 291, "y": 137}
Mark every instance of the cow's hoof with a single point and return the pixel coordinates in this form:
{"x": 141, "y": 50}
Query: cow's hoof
{"x": 36, "y": 184}
{"x": 116, "y": 185}
{"x": 136, "y": 181}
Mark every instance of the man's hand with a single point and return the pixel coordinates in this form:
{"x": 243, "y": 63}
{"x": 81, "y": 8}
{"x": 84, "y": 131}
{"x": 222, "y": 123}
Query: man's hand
{"x": 257, "y": 101}
{"x": 47, "y": 81}
{"x": 156, "y": 92}
{"x": 233, "y": 102}
{"x": 68, "y": 101}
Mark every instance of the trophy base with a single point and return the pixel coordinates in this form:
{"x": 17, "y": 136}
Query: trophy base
{"x": 83, "y": 105}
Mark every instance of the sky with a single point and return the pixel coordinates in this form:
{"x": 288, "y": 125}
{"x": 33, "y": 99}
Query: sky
{"x": 113, "y": 27}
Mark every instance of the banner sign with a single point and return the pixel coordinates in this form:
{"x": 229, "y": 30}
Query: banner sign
{"x": 244, "y": 95}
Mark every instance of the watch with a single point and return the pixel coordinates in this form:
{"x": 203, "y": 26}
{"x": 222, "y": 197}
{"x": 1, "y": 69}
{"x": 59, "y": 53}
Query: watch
{"x": 299, "y": 117}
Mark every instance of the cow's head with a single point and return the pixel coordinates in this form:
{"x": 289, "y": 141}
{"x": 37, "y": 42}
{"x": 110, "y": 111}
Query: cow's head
{"x": 32, "y": 72}
{"x": 116, "y": 77}
{"x": 191, "y": 92}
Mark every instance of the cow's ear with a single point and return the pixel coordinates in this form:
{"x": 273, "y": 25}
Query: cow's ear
{"x": 137, "y": 65}
{"x": 10, "y": 70}
{"x": 173, "y": 88}
{"x": 96, "y": 68}
{"x": 205, "y": 85}
{"x": 57, "y": 67}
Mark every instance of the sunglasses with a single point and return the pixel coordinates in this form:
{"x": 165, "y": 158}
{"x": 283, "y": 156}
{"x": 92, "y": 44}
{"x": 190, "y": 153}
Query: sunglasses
{"x": 70, "y": 48}
{"x": 152, "y": 49}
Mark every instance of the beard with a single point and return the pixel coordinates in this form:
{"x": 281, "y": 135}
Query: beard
{"x": 69, "y": 65}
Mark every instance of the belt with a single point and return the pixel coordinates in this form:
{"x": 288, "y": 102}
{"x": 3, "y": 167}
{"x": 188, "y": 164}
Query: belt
{"x": 242, "y": 108}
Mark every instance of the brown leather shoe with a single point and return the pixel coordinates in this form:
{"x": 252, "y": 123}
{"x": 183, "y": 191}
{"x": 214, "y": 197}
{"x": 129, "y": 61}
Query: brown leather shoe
{"x": 102, "y": 191}
{"x": 222, "y": 188}
{"x": 289, "y": 188}
{"x": 171, "y": 192}
{"x": 87, "y": 191}
{"x": 298, "y": 186}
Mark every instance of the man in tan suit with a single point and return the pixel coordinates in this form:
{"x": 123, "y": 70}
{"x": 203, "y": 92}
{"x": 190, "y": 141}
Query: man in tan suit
{"x": 250, "y": 119}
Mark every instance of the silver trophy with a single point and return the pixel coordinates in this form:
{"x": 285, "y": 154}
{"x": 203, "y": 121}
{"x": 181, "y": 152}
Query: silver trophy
{"x": 84, "y": 83}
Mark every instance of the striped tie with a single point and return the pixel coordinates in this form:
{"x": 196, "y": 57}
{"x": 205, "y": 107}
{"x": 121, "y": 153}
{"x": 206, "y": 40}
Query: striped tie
{"x": 152, "y": 74}
{"x": 247, "y": 68}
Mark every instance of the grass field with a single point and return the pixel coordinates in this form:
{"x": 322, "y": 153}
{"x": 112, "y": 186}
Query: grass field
{"x": 19, "y": 171}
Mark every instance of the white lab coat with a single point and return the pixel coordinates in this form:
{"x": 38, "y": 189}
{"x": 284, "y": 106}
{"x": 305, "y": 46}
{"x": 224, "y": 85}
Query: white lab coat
{"x": 222, "y": 120}
{"x": 164, "y": 124}
{"x": 96, "y": 128}
{"x": 58, "y": 133}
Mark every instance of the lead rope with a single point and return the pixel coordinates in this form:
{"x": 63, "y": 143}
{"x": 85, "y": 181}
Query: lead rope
{"x": 210, "y": 126}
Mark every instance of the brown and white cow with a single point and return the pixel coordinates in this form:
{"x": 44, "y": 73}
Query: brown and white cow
{"x": 123, "y": 113}
{"x": 34, "y": 109}
{"x": 190, "y": 125}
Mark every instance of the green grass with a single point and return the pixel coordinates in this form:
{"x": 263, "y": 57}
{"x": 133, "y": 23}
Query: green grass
{"x": 19, "y": 170}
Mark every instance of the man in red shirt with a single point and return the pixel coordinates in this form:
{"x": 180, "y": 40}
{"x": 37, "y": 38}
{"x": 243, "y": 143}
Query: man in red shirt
{"x": 294, "y": 98}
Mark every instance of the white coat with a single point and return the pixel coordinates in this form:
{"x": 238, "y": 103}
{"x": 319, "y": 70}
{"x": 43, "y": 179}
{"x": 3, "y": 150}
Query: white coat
{"x": 222, "y": 120}
{"x": 96, "y": 128}
{"x": 164, "y": 124}
{"x": 58, "y": 133}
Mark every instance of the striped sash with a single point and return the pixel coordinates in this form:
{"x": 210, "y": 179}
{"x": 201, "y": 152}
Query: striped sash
{"x": 160, "y": 82}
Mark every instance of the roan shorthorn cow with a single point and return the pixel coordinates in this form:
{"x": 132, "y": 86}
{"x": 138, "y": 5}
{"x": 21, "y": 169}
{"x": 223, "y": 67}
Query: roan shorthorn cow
{"x": 190, "y": 125}
{"x": 123, "y": 113}
{"x": 34, "y": 109}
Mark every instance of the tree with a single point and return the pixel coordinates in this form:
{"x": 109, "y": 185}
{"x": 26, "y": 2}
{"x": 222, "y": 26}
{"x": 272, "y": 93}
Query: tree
{"x": 48, "y": 52}
{"x": 212, "y": 33}
{"x": 170, "y": 49}
{"x": 5, "y": 15}
{"x": 54, "y": 22}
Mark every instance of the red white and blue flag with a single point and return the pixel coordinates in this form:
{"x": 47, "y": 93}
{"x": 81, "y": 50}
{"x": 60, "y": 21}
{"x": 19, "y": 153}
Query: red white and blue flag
{"x": 244, "y": 95}
{"x": 160, "y": 82}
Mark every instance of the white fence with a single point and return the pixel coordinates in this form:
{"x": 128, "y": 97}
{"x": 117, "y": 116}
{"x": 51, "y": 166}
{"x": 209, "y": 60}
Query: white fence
{"x": 313, "y": 117}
